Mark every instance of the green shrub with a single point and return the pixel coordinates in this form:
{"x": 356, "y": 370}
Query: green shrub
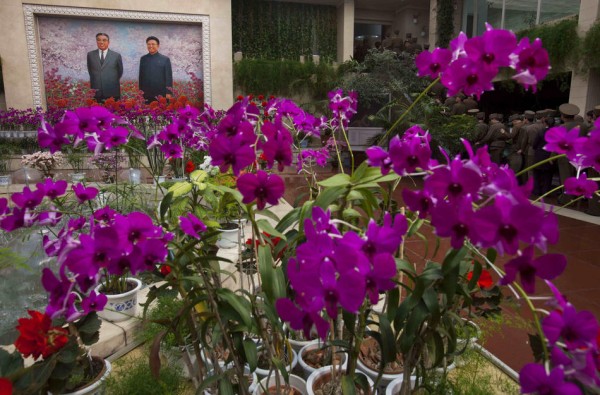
{"x": 590, "y": 50}
{"x": 560, "y": 40}
{"x": 284, "y": 78}
{"x": 133, "y": 377}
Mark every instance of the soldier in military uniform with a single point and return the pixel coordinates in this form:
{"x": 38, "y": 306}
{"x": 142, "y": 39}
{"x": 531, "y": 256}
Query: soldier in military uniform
{"x": 515, "y": 154}
{"x": 458, "y": 108}
{"x": 470, "y": 103}
{"x": 532, "y": 131}
{"x": 481, "y": 128}
{"x": 496, "y": 138}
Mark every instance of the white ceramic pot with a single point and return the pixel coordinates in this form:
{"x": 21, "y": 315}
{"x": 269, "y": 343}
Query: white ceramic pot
{"x": 229, "y": 238}
{"x": 253, "y": 383}
{"x": 97, "y": 387}
{"x": 313, "y": 345}
{"x": 264, "y": 372}
{"x": 77, "y": 177}
{"x": 268, "y": 382}
{"x": 5, "y": 181}
{"x": 121, "y": 307}
{"x": 395, "y": 385}
{"x": 159, "y": 180}
{"x": 317, "y": 375}
{"x": 372, "y": 374}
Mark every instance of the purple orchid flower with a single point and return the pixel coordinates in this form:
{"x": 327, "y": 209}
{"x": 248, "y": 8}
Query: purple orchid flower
{"x": 378, "y": 157}
{"x": 278, "y": 144}
{"x": 575, "y": 329}
{"x": 93, "y": 302}
{"x": 547, "y": 267}
{"x": 532, "y": 63}
{"x": 301, "y": 320}
{"x": 113, "y": 137}
{"x": 562, "y": 141}
{"x": 51, "y": 138}
{"x": 468, "y": 76}
{"x": 191, "y": 225}
{"x": 491, "y": 50}
{"x": 455, "y": 181}
{"x": 172, "y": 150}
{"x": 262, "y": 187}
{"x": 433, "y": 63}
{"x": 535, "y": 379}
{"x": 454, "y": 221}
{"x": 419, "y": 201}
{"x": 84, "y": 194}
{"x": 580, "y": 186}
{"x": 53, "y": 189}
{"x": 28, "y": 199}
{"x": 234, "y": 152}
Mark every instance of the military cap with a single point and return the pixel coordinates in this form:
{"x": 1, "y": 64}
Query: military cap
{"x": 461, "y": 96}
{"x": 515, "y": 117}
{"x": 480, "y": 115}
{"x": 540, "y": 114}
{"x": 568, "y": 109}
{"x": 496, "y": 116}
{"x": 473, "y": 111}
{"x": 529, "y": 114}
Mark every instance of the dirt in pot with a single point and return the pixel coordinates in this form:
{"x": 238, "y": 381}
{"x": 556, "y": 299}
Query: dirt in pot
{"x": 320, "y": 357}
{"x": 370, "y": 356}
{"x": 284, "y": 391}
{"x": 325, "y": 386}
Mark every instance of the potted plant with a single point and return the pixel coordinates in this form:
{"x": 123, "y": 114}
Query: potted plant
{"x": 45, "y": 162}
{"x": 62, "y": 361}
{"x": 76, "y": 158}
{"x": 4, "y": 165}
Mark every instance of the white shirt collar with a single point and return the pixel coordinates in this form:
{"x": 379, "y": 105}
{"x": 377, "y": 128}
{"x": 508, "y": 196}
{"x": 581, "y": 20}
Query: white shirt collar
{"x": 100, "y": 52}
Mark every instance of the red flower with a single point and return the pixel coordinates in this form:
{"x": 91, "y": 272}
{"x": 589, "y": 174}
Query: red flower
{"x": 240, "y": 97}
{"x": 261, "y": 97}
{"x": 37, "y": 337}
{"x": 165, "y": 270}
{"x": 5, "y": 386}
{"x": 485, "y": 280}
{"x": 189, "y": 166}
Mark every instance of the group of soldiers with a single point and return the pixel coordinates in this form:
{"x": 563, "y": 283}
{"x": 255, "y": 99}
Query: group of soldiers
{"x": 520, "y": 143}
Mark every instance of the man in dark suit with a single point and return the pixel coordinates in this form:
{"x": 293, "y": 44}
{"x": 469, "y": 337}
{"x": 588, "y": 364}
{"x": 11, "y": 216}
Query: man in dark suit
{"x": 105, "y": 67}
{"x": 156, "y": 76}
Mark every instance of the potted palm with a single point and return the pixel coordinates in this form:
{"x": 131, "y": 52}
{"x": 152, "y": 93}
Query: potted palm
{"x": 76, "y": 158}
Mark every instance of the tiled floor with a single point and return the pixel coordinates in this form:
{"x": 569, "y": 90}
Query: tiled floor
{"x": 579, "y": 241}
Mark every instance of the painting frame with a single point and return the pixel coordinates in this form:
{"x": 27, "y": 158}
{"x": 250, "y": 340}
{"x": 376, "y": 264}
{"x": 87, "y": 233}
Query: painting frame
{"x": 32, "y": 12}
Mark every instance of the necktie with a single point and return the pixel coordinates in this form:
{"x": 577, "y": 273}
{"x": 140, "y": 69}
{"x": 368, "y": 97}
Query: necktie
{"x": 102, "y": 58}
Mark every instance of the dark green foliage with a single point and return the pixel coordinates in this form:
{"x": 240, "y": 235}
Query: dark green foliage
{"x": 19, "y": 146}
{"x": 447, "y": 131}
{"x": 445, "y": 23}
{"x": 560, "y": 40}
{"x": 281, "y": 30}
{"x": 284, "y": 78}
{"x": 591, "y": 47}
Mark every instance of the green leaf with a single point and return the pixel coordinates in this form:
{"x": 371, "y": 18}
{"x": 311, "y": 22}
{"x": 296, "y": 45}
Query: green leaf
{"x": 251, "y": 354}
{"x": 451, "y": 269}
{"x": 238, "y": 303}
{"x": 180, "y": 188}
{"x": 10, "y": 362}
{"x": 405, "y": 266}
{"x": 265, "y": 225}
{"x": 393, "y": 300}
{"x": 89, "y": 324}
{"x": 164, "y": 205}
{"x": 198, "y": 176}
{"x": 269, "y": 214}
{"x": 350, "y": 213}
{"x": 348, "y": 386}
{"x": 414, "y": 227}
{"x": 337, "y": 180}
{"x": 288, "y": 220}
{"x": 476, "y": 274}
{"x": 329, "y": 195}
{"x": 430, "y": 298}
{"x": 388, "y": 340}
{"x": 278, "y": 363}
{"x": 226, "y": 387}
{"x": 266, "y": 270}
{"x": 491, "y": 255}
{"x": 413, "y": 325}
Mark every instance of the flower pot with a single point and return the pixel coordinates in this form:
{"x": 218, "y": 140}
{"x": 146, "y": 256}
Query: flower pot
{"x": 253, "y": 381}
{"x": 395, "y": 385}
{"x": 5, "y": 181}
{"x": 230, "y": 236}
{"x": 159, "y": 180}
{"x": 135, "y": 176}
{"x": 97, "y": 386}
{"x": 121, "y": 307}
{"x": 386, "y": 378}
{"x": 315, "y": 345}
{"x": 322, "y": 376}
{"x": 77, "y": 177}
{"x": 289, "y": 366}
{"x": 269, "y": 383}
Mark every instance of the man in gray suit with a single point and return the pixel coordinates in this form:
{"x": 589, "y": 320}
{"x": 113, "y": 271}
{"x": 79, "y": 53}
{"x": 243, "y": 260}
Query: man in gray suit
{"x": 106, "y": 69}
{"x": 156, "y": 76}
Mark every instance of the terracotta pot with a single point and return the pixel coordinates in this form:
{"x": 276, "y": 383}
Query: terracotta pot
{"x": 323, "y": 375}
{"x": 121, "y": 307}
{"x": 295, "y": 382}
{"x": 97, "y": 386}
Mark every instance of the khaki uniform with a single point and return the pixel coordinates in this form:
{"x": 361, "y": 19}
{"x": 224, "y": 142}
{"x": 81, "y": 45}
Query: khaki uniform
{"x": 496, "y": 140}
{"x": 531, "y": 131}
{"x": 481, "y": 130}
{"x": 515, "y": 156}
{"x": 458, "y": 109}
{"x": 470, "y": 103}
